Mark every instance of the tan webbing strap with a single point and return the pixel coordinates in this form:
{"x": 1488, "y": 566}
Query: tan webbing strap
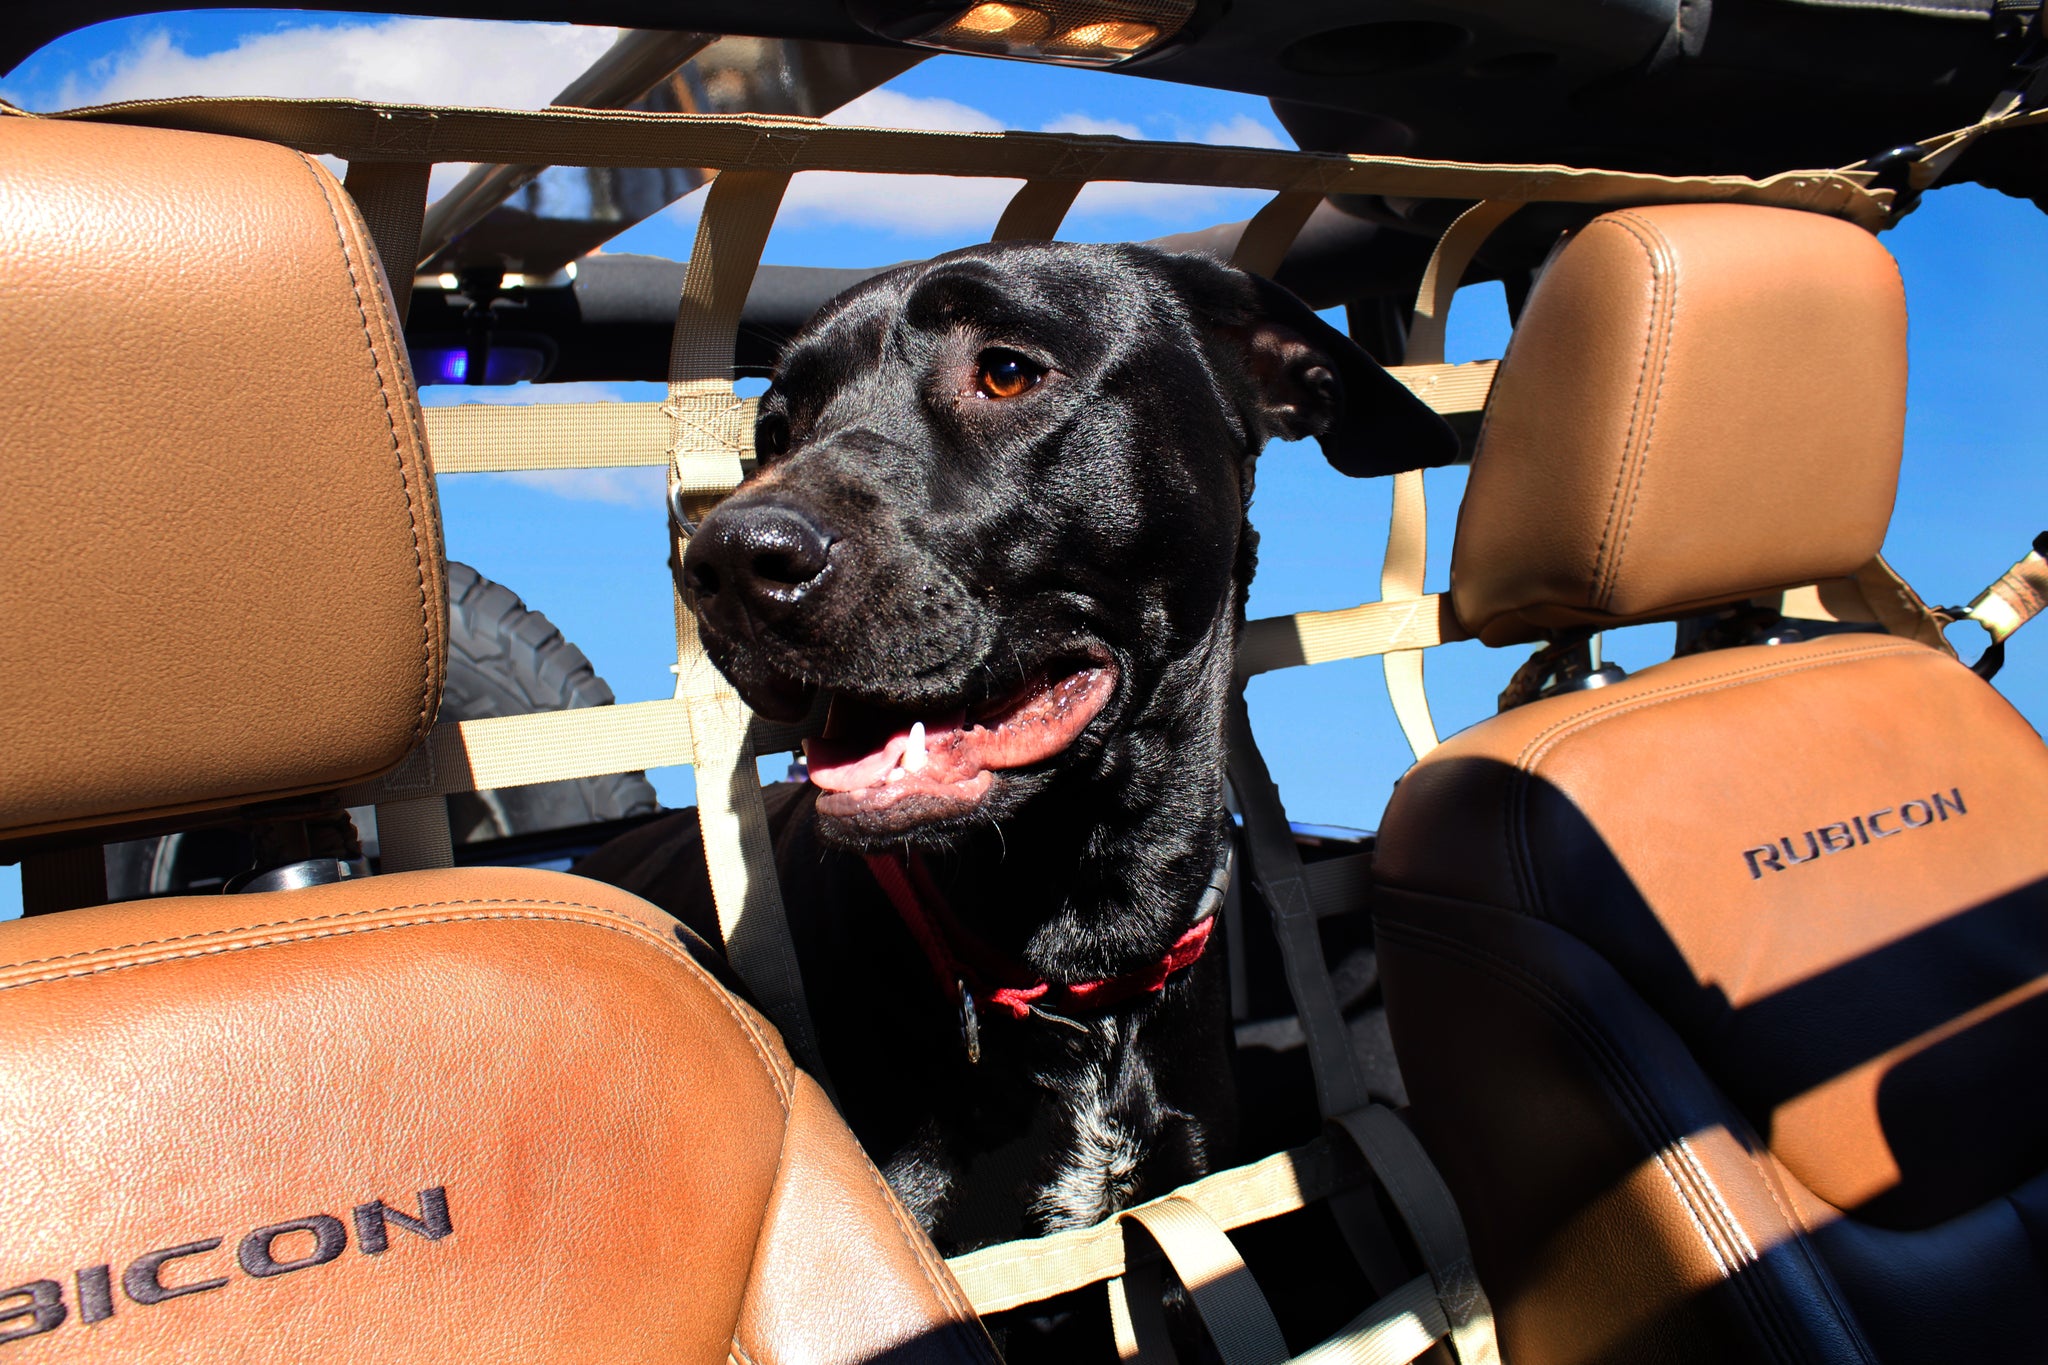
{"x": 392, "y": 197}
{"x": 1137, "y": 1317}
{"x": 2017, "y": 597}
{"x": 559, "y": 136}
{"x": 552, "y": 746}
{"x": 1393, "y": 1331}
{"x": 1449, "y": 389}
{"x": 1276, "y": 872}
{"x": 546, "y": 746}
{"x": 1408, "y": 529}
{"x": 709, "y": 435}
{"x": 1011, "y": 1274}
{"x": 1446, "y": 270}
{"x": 474, "y": 437}
{"x": 1942, "y": 151}
{"x": 1431, "y": 1215}
{"x": 1035, "y": 211}
{"x": 1401, "y": 581}
{"x": 1264, "y": 242}
{"x": 413, "y": 834}
{"x": 1317, "y": 637}
{"x": 1396, "y": 1329}
{"x": 707, "y": 440}
{"x": 1898, "y": 608}
{"x": 1240, "y": 1321}
{"x": 1275, "y": 863}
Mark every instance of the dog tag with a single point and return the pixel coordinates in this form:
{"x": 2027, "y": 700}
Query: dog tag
{"x": 970, "y": 1025}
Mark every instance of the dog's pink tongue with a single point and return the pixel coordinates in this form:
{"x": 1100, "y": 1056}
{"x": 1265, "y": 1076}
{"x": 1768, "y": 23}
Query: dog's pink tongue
{"x": 841, "y": 767}
{"x": 1033, "y": 727}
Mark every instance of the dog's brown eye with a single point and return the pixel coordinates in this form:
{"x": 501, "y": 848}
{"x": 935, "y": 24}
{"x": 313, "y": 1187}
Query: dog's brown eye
{"x": 771, "y": 435}
{"x": 1005, "y": 374}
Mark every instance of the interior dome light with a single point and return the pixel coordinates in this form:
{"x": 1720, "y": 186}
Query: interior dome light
{"x": 1012, "y": 23}
{"x": 1069, "y": 32}
{"x": 1118, "y": 35}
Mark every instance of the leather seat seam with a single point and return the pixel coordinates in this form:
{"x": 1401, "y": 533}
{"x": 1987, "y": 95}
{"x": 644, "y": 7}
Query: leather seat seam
{"x": 922, "y": 1252}
{"x": 1599, "y": 575}
{"x": 1823, "y": 1276}
{"x": 308, "y": 919}
{"x": 1664, "y": 317}
{"x": 631, "y": 929}
{"x": 335, "y": 212}
{"x": 1608, "y": 708}
{"x": 1726, "y": 1224}
{"x": 1767, "y": 1314}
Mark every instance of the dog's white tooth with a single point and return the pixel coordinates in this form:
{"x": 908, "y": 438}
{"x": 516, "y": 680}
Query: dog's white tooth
{"x": 914, "y": 757}
{"x": 897, "y": 775}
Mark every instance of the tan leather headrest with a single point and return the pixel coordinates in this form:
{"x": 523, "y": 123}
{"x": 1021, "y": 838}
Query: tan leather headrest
{"x": 1700, "y": 403}
{"x": 222, "y": 574}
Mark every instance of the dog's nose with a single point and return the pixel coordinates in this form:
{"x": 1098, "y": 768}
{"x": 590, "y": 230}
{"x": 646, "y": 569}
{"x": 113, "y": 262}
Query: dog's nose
{"x": 759, "y": 558}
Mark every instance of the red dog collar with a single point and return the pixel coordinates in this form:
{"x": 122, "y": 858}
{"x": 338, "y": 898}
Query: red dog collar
{"x": 968, "y": 970}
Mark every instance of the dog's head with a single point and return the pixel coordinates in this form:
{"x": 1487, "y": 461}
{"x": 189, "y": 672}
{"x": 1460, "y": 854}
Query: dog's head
{"x": 999, "y": 515}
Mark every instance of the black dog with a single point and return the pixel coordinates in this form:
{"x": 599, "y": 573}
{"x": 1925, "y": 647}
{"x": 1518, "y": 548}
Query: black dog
{"x": 1000, "y": 517}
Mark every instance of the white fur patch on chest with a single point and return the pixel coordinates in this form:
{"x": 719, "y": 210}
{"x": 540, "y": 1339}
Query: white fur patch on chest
{"x": 1098, "y": 1174}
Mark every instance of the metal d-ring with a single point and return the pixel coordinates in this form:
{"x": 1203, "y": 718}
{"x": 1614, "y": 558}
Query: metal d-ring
{"x": 678, "y": 512}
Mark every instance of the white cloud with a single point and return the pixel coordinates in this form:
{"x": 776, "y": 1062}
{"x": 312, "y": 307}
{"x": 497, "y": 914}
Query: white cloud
{"x": 410, "y": 61}
{"x": 626, "y": 487}
{"x": 886, "y": 108}
{"x": 917, "y": 205}
{"x": 1090, "y": 125}
{"x": 426, "y": 61}
{"x": 1242, "y": 131}
{"x": 904, "y": 203}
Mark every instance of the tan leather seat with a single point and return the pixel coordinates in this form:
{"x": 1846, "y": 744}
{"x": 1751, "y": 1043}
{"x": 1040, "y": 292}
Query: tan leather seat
{"x": 1719, "y": 992}
{"x": 458, "y": 1115}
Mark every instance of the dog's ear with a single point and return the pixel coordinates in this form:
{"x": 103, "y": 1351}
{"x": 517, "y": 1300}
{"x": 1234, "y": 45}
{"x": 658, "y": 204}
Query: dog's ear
{"x": 1312, "y": 380}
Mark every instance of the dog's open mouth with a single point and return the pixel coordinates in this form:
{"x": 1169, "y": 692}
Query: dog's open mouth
{"x": 889, "y": 770}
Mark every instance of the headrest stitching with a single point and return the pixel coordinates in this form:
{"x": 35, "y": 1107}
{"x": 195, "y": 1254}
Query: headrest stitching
{"x": 426, "y": 712}
{"x": 1664, "y": 314}
{"x": 1607, "y": 708}
{"x": 1628, "y": 475}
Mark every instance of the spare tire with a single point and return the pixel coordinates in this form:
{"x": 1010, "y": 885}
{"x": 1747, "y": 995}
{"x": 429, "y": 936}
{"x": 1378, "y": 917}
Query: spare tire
{"x": 507, "y": 660}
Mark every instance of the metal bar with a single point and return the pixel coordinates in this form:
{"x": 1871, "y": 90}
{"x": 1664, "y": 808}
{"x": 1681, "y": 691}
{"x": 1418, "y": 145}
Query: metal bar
{"x": 640, "y": 60}
{"x": 534, "y": 220}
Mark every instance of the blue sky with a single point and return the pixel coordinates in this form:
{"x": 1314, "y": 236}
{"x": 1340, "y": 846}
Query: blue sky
{"x": 588, "y": 549}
